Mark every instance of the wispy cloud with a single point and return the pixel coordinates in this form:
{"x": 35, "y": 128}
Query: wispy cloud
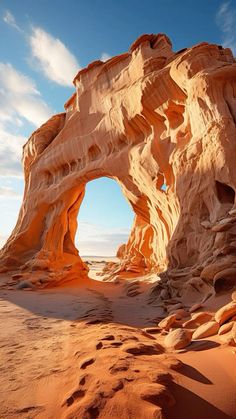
{"x": 50, "y": 55}
{"x": 3, "y": 239}
{"x": 20, "y": 101}
{"x": 226, "y": 21}
{"x": 95, "y": 240}
{"x": 9, "y": 193}
{"x": 105, "y": 56}
{"x": 9, "y": 19}
{"x": 10, "y": 153}
{"x": 53, "y": 58}
{"x": 10, "y": 201}
{"x": 20, "y": 97}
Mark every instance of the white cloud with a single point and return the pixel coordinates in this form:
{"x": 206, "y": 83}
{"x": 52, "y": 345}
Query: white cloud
{"x": 3, "y": 240}
{"x": 19, "y": 97}
{"x": 53, "y": 57}
{"x": 9, "y": 193}
{"x": 10, "y": 153}
{"x": 105, "y": 56}
{"x": 10, "y": 202}
{"x": 226, "y": 20}
{"x": 95, "y": 240}
{"x": 19, "y": 101}
{"x": 10, "y": 20}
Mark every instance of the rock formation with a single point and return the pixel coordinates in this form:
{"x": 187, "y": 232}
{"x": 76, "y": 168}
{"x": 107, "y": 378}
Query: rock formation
{"x": 162, "y": 124}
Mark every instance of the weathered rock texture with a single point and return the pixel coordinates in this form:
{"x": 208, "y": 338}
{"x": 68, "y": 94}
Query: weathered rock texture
{"x": 162, "y": 124}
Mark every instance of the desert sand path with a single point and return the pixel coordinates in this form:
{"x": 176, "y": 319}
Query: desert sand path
{"x": 83, "y": 352}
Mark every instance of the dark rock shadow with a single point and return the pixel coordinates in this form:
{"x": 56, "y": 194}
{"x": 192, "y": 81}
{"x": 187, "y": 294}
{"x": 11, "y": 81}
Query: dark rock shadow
{"x": 194, "y": 374}
{"x": 201, "y": 345}
{"x": 78, "y": 300}
{"x": 53, "y": 304}
{"x": 83, "y": 303}
{"x": 191, "y": 406}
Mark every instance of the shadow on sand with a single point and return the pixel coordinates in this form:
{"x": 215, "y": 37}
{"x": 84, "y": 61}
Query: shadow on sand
{"x": 192, "y": 406}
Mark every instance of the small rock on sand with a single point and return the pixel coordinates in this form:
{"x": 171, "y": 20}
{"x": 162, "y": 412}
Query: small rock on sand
{"x": 225, "y": 328}
{"x": 167, "y": 322}
{"x": 225, "y": 312}
{"x": 206, "y": 329}
{"x": 178, "y": 339}
{"x": 228, "y": 339}
{"x": 198, "y": 319}
{"x": 24, "y": 284}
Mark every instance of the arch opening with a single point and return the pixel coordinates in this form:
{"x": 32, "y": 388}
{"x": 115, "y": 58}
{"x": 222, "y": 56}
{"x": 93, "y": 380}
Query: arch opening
{"x": 104, "y": 221}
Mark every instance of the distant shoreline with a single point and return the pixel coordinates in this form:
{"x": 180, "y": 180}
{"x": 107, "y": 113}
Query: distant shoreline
{"x": 98, "y": 257}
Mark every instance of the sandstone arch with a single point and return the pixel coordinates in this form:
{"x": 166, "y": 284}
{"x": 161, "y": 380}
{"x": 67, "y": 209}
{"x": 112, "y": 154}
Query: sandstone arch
{"x": 146, "y": 118}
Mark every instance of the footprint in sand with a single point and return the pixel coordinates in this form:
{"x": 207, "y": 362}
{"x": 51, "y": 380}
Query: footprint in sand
{"x": 143, "y": 349}
{"x": 32, "y": 323}
{"x": 116, "y": 344}
{"x": 99, "y": 345}
{"x": 108, "y": 337}
{"x": 86, "y": 363}
{"x": 29, "y": 409}
{"x": 78, "y": 394}
{"x": 84, "y": 379}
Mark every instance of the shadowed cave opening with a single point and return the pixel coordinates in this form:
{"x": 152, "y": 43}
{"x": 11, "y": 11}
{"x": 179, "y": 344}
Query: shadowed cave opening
{"x": 224, "y": 284}
{"x": 225, "y": 193}
{"x": 104, "y": 220}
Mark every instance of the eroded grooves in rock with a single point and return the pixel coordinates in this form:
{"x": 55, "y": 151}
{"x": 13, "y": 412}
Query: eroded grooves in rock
{"x": 162, "y": 124}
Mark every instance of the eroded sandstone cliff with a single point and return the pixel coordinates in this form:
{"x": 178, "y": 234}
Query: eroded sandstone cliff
{"x": 162, "y": 124}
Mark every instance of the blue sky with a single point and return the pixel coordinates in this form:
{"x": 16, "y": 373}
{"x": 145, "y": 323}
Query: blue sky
{"x": 43, "y": 45}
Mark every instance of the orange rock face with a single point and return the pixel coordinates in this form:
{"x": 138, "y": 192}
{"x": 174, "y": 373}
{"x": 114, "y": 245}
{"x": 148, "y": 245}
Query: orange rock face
{"x": 162, "y": 124}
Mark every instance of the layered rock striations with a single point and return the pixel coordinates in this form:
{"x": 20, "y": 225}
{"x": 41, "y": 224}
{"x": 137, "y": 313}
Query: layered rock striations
{"x": 162, "y": 124}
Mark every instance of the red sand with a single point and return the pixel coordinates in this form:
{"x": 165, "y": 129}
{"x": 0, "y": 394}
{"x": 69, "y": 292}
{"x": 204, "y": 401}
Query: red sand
{"x": 81, "y": 352}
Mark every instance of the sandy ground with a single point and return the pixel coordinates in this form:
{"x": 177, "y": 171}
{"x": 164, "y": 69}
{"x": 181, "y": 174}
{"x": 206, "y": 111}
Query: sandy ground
{"x": 82, "y": 351}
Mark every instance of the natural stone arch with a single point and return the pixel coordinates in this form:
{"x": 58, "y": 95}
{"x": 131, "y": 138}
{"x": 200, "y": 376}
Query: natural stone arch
{"x": 146, "y": 118}
{"x": 104, "y": 220}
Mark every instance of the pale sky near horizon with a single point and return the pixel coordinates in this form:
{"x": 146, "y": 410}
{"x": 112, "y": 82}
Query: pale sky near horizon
{"x": 43, "y": 45}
